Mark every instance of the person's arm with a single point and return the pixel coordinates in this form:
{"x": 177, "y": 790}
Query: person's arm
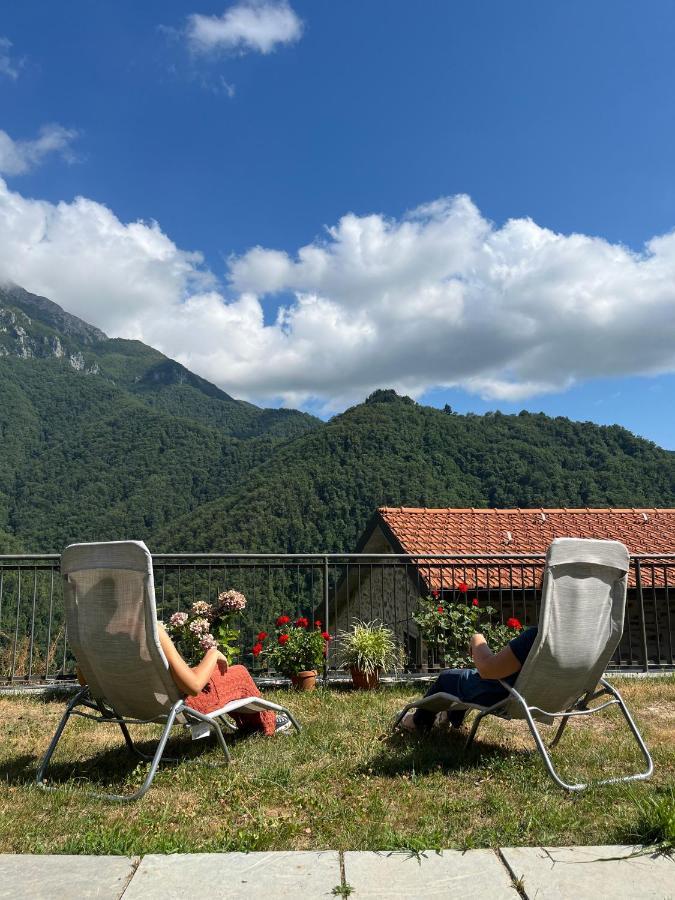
{"x": 493, "y": 665}
{"x": 190, "y": 680}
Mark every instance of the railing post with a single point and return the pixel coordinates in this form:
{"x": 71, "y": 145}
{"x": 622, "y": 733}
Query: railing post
{"x": 326, "y": 613}
{"x": 326, "y": 594}
{"x": 643, "y": 625}
{"x": 16, "y": 627}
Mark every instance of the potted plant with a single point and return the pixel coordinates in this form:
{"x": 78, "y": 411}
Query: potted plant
{"x": 295, "y": 649}
{"x": 208, "y": 625}
{"x": 368, "y": 649}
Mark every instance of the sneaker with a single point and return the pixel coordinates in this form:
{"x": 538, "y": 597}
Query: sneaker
{"x": 407, "y": 723}
{"x": 282, "y": 723}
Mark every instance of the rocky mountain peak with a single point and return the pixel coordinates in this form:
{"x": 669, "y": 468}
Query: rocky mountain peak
{"x": 49, "y": 314}
{"x": 33, "y": 327}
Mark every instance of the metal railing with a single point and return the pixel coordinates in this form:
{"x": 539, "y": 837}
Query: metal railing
{"x": 334, "y": 588}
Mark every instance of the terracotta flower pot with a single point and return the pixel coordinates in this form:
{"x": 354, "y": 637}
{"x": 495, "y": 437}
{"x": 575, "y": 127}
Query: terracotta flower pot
{"x": 304, "y": 681}
{"x": 365, "y": 681}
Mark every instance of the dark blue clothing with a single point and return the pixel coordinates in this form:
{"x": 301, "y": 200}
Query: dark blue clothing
{"x": 468, "y": 686}
{"x": 520, "y": 647}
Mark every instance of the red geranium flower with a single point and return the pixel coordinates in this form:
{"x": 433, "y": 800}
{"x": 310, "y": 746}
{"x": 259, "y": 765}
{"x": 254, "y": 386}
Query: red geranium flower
{"x": 302, "y": 622}
{"x": 261, "y": 636}
{"x": 462, "y": 587}
{"x": 283, "y": 639}
{"x": 317, "y": 624}
{"x": 474, "y": 602}
{"x": 283, "y": 620}
{"x": 257, "y": 649}
{"x": 440, "y": 609}
{"x": 435, "y": 594}
{"x": 326, "y": 636}
{"x": 513, "y": 623}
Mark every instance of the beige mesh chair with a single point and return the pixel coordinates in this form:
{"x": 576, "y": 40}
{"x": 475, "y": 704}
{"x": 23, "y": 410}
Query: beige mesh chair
{"x": 580, "y": 625}
{"x": 111, "y": 620}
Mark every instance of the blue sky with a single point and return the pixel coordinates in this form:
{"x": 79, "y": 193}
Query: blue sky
{"x": 557, "y": 115}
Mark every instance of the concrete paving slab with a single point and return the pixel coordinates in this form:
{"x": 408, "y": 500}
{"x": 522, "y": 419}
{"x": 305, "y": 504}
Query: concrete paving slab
{"x": 29, "y": 877}
{"x": 587, "y": 873}
{"x": 402, "y": 876}
{"x": 301, "y": 875}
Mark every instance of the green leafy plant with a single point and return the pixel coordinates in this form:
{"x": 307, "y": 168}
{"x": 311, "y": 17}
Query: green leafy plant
{"x": 208, "y": 625}
{"x": 447, "y": 627}
{"x": 295, "y": 647}
{"x": 370, "y": 647}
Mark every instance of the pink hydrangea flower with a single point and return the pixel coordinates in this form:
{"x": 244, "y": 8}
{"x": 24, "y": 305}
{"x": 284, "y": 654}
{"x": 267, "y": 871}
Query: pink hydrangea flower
{"x": 178, "y": 619}
{"x": 231, "y": 601}
{"x": 208, "y": 642}
{"x": 199, "y": 626}
{"x": 201, "y": 608}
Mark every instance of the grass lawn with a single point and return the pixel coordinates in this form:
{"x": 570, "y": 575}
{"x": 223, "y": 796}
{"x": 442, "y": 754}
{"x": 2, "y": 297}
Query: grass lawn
{"x": 343, "y": 783}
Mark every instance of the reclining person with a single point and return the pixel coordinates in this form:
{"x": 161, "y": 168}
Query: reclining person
{"x": 212, "y": 684}
{"x": 479, "y": 685}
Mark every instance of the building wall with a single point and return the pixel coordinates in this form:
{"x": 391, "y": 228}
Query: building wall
{"x": 384, "y": 593}
{"x": 390, "y": 593}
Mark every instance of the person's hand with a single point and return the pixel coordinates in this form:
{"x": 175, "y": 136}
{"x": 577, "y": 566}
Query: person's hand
{"x": 223, "y": 665}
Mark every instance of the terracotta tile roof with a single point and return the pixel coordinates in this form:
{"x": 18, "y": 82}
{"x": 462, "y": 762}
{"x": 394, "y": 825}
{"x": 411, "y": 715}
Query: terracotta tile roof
{"x": 525, "y": 531}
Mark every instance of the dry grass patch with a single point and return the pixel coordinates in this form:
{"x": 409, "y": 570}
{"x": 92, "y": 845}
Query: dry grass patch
{"x": 344, "y": 783}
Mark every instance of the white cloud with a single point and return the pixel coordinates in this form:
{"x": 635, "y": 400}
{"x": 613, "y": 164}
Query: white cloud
{"x": 19, "y": 157}
{"x": 8, "y": 66}
{"x": 440, "y": 297}
{"x": 80, "y": 255}
{"x": 251, "y": 25}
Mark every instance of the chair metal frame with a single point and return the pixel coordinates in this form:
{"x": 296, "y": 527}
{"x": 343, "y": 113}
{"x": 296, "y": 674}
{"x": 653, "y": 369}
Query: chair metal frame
{"x": 579, "y": 708}
{"x": 103, "y": 714}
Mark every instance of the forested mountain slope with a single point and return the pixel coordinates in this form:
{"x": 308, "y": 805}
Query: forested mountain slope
{"x": 110, "y": 439}
{"x": 105, "y": 438}
{"x": 318, "y": 492}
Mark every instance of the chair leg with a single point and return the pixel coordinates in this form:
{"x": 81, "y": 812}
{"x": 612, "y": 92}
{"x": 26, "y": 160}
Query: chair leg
{"x": 127, "y": 739}
{"x": 541, "y": 747}
{"x": 215, "y": 728}
{"x": 156, "y": 759}
{"x": 40, "y": 777}
{"x": 636, "y": 734}
{"x": 581, "y": 786}
{"x": 293, "y": 719}
{"x": 474, "y": 729}
{"x": 559, "y": 732}
{"x": 150, "y": 777}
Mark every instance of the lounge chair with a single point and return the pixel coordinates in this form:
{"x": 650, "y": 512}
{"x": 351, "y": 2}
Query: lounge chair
{"x": 580, "y": 625}
{"x": 111, "y": 620}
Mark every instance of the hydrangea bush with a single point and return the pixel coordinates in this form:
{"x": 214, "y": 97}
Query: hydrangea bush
{"x": 447, "y": 627}
{"x": 208, "y": 625}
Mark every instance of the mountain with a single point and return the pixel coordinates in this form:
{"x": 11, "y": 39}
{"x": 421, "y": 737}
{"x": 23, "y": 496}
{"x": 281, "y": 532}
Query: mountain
{"x": 107, "y": 438}
{"x": 318, "y": 492}
{"x": 35, "y": 328}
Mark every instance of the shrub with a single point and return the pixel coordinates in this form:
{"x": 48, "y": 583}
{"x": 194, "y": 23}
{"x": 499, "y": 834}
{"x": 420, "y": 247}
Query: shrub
{"x": 370, "y": 647}
{"x": 447, "y": 627}
{"x": 295, "y": 647}
{"x": 207, "y": 625}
